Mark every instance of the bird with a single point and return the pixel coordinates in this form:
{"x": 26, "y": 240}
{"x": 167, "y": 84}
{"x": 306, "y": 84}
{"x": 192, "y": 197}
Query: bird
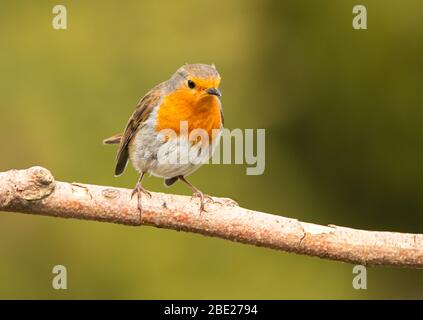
{"x": 154, "y": 140}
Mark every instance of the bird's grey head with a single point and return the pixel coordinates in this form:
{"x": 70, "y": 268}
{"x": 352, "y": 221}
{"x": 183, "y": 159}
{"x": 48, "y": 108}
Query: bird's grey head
{"x": 197, "y": 77}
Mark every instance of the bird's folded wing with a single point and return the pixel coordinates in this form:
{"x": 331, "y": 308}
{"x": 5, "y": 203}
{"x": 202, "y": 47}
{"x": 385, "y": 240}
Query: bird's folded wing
{"x": 141, "y": 114}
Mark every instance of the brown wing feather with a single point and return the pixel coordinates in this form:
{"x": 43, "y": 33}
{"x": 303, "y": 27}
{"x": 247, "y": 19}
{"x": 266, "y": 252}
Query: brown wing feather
{"x": 141, "y": 113}
{"x": 113, "y": 139}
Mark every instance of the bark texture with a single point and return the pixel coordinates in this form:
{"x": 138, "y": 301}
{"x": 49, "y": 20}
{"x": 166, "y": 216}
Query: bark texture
{"x": 35, "y": 191}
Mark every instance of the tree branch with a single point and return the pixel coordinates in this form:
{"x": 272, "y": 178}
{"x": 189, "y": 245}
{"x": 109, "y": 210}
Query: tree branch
{"x": 35, "y": 191}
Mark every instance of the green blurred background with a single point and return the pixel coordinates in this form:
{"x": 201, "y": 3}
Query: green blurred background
{"x": 342, "y": 111}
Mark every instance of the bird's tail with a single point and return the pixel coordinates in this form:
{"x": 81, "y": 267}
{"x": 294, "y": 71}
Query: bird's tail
{"x": 114, "y": 139}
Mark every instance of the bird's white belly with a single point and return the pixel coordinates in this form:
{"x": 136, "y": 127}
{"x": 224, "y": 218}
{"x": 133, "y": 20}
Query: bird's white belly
{"x": 152, "y": 152}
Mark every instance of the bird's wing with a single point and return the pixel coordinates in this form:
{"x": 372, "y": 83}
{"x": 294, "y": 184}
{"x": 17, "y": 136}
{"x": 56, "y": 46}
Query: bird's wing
{"x": 113, "y": 139}
{"x": 141, "y": 113}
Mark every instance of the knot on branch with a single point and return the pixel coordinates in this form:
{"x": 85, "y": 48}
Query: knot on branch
{"x": 33, "y": 184}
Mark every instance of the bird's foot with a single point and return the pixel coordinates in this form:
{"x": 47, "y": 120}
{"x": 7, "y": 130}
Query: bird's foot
{"x": 204, "y": 198}
{"x": 139, "y": 190}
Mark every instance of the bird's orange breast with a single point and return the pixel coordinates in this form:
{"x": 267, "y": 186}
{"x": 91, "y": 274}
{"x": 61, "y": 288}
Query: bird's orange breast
{"x": 200, "y": 113}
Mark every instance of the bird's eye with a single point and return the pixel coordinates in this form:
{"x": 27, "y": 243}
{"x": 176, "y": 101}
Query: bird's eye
{"x": 191, "y": 84}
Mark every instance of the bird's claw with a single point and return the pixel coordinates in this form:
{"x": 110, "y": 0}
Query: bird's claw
{"x": 204, "y": 198}
{"x": 138, "y": 190}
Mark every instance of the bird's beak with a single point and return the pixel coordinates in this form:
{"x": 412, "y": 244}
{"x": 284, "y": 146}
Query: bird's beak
{"x": 214, "y": 92}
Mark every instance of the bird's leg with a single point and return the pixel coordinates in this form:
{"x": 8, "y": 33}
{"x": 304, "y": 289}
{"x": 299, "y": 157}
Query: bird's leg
{"x": 197, "y": 193}
{"x": 139, "y": 189}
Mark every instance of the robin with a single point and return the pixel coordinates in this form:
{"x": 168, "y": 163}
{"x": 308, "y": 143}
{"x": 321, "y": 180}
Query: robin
{"x": 189, "y": 97}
